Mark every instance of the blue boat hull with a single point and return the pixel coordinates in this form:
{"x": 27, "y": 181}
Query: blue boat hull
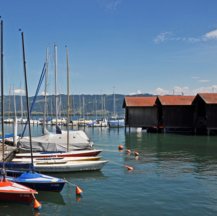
{"x": 116, "y": 123}
{"x": 37, "y": 181}
{"x": 54, "y": 187}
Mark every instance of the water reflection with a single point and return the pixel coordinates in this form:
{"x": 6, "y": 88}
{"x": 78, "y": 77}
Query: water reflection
{"x": 89, "y": 175}
{"x": 51, "y": 197}
{"x": 173, "y": 153}
{"x": 18, "y": 209}
{"x": 173, "y": 175}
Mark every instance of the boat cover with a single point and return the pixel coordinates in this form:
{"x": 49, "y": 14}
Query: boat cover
{"x": 78, "y": 140}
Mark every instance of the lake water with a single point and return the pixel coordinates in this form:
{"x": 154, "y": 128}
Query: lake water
{"x": 173, "y": 175}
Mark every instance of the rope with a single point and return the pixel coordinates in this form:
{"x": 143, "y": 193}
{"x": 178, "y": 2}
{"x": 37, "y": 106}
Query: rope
{"x": 70, "y": 183}
{"x": 36, "y": 94}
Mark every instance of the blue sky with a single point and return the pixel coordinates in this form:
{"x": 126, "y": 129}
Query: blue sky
{"x": 121, "y": 46}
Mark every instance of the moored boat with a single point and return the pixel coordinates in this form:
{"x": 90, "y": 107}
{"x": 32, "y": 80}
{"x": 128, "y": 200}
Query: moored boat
{"x": 80, "y": 153}
{"x": 31, "y": 178}
{"x": 55, "y": 167}
{"x": 56, "y": 159}
{"x": 116, "y": 122}
{"x": 55, "y": 142}
{"x": 39, "y": 182}
{"x": 99, "y": 123}
{"x": 13, "y": 192}
{"x": 69, "y": 166}
{"x": 10, "y": 191}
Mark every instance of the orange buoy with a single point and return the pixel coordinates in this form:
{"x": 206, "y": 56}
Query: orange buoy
{"x": 136, "y": 153}
{"x": 129, "y": 168}
{"x": 128, "y": 151}
{"x": 78, "y": 191}
{"x": 120, "y": 147}
{"x": 37, "y": 205}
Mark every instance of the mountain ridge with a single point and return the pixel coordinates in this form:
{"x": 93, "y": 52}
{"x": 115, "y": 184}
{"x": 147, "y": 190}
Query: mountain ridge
{"x": 83, "y": 104}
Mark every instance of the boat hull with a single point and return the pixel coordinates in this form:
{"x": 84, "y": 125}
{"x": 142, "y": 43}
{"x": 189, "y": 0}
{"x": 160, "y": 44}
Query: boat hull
{"x": 13, "y": 192}
{"x": 54, "y": 187}
{"x": 70, "y": 167}
{"x": 39, "y": 182}
{"x": 85, "y": 153}
{"x": 116, "y": 123}
{"x": 56, "y": 159}
{"x": 16, "y": 197}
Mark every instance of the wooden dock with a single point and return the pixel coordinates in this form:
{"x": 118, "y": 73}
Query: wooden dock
{"x": 9, "y": 152}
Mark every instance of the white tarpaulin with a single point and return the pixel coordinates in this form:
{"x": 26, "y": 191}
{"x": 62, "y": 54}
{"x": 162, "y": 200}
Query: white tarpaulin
{"x": 56, "y": 142}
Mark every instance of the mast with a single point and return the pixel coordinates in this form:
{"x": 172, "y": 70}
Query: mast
{"x": 83, "y": 106}
{"x": 2, "y": 102}
{"x": 21, "y": 103}
{"x": 15, "y": 107}
{"x": 104, "y": 110}
{"x": 9, "y": 103}
{"x": 15, "y": 120}
{"x": 102, "y": 113}
{"x": 114, "y": 105}
{"x": 27, "y": 98}
{"x": 45, "y": 91}
{"x": 55, "y": 70}
{"x": 68, "y": 102}
{"x": 95, "y": 107}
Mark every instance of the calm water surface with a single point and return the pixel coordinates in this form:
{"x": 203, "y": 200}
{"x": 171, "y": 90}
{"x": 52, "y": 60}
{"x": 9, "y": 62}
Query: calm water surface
{"x": 173, "y": 175}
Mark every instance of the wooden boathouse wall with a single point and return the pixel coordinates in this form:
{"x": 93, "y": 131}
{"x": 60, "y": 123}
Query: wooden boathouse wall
{"x": 175, "y": 112}
{"x": 196, "y": 114}
{"x": 205, "y": 111}
{"x": 140, "y": 112}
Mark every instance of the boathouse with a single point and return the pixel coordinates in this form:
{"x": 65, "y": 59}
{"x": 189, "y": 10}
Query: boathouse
{"x": 205, "y": 119}
{"x": 141, "y": 111}
{"x": 176, "y": 112}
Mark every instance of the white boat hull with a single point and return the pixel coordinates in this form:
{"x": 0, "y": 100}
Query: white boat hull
{"x": 70, "y": 166}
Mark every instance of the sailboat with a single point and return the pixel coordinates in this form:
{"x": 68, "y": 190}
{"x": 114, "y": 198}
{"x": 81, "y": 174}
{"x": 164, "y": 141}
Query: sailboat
{"x": 55, "y": 145}
{"x": 52, "y": 141}
{"x": 80, "y": 153}
{"x": 10, "y": 191}
{"x": 31, "y": 178}
{"x": 38, "y": 181}
{"x": 69, "y": 166}
{"x": 102, "y": 122}
{"x": 115, "y": 121}
{"x": 55, "y": 159}
{"x": 54, "y": 165}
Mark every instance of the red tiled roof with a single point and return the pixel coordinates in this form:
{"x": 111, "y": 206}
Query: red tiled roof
{"x": 140, "y": 101}
{"x": 178, "y": 100}
{"x": 209, "y": 98}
